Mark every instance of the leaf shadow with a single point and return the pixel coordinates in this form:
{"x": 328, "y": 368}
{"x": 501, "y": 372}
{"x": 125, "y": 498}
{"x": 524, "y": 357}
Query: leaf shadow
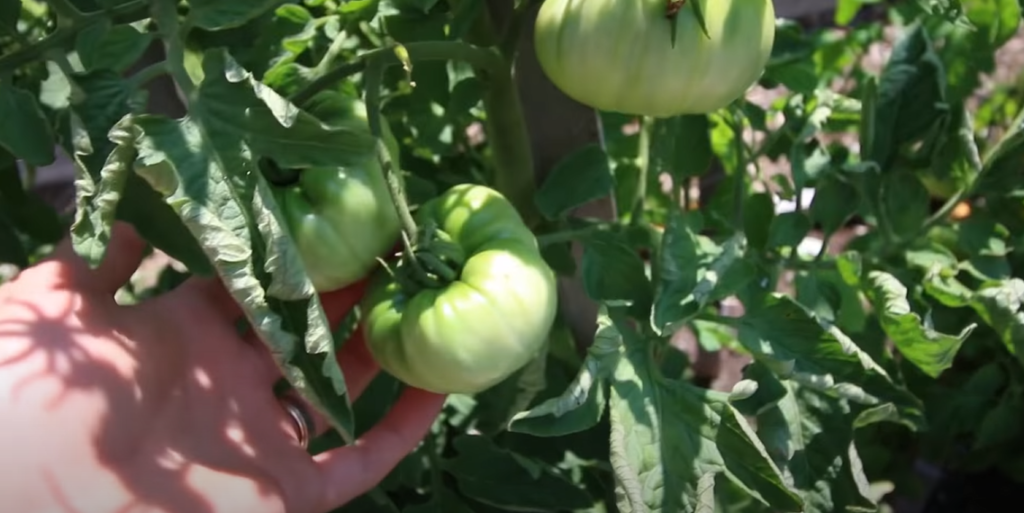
{"x": 148, "y": 395}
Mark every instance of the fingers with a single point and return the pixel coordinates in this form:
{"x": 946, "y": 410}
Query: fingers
{"x": 352, "y": 470}
{"x": 359, "y": 368}
{"x": 337, "y": 304}
{"x": 210, "y": 293}
{"x": 122, "y": 258}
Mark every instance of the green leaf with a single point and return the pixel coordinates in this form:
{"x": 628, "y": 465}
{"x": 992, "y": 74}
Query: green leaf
{"x": 205, "y": 170}
{"x": 501, "y": 478}
{"x": 810, "y": 436}
{"x": 498, "y": 405}
{"x": 102, "y": 46}
{"x": 24, "y": 210}
{"x": 96, "y": 200}
{"x": 11, "y": 249}
{"x": 834, "y": 203}
{"x": 788, "y": 230}
{"x": 579, "y": 178}
{"x": 758, "y": 216}
{"x": 24, "y": 129}
{"x": 798, "y": 76}
{"x": 768, "y": 392}
{"x": 420, "y": 6}
{"x": 108, "y": 100}
{"x": 958, "y": 408}
{"x": 846, "y": 11}
{"x": 1000, "y": 427}
{"x": 691, "y": 269}
{"x": 1001, "y": 306}
{"x": 798, "y": 346}
{"x": 670, "y": 440}
{"x": 905, "y": 203}
{"x": 681, "y": 146}
{"x": 582, "y": 404}
{"x": 10, "y": 11}
{"x": 294, "y": 138}
{"x": 614, "y": 272}
{"x": 911, "y": 97}
{"x": 929, "y": 350}
{"x": 1000, "y": 175}
{"x": 224, "y": 14}
{"x": 980, "y": 235}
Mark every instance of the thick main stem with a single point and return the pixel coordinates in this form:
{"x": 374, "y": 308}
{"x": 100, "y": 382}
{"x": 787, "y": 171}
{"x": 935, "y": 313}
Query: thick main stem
{"x": 505, "y": 126}
{"x": 643, "y": 162}
{"x": 510, "y": 144}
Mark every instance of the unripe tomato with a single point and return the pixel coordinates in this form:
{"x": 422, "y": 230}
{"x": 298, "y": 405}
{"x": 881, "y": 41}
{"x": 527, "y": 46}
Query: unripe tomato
{"x": 618, "y": 56}
{"x": 477, "y": 330}
{"x": 342, "y": 219}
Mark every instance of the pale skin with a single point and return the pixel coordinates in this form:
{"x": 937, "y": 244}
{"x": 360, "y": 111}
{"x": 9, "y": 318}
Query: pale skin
{"x": 162, "y": 406}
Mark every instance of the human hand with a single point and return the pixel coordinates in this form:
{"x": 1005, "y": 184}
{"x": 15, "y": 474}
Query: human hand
{"x": 162, "y": 406}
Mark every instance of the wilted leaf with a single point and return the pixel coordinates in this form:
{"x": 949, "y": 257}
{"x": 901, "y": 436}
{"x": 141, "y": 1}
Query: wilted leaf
{"x": 800, "y": 347}
{"x": 670, "y": 439}
{"x": 929, "y": 350}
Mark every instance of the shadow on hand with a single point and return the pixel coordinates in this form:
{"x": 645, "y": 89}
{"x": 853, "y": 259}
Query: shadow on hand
{"x": 150, "y": 397}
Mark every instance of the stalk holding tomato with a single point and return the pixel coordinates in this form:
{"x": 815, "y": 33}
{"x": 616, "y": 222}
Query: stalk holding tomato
{"x": 467, "y": 335}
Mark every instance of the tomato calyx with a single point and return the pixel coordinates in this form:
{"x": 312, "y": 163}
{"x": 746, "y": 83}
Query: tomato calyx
{"x": 277, "y": 175}
{"x": 433, "y": 262}
{"x": 673, "y": 7}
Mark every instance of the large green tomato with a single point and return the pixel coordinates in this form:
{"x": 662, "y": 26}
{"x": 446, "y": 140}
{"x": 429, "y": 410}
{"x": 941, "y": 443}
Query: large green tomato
{"x": 618, "y": 56}
{"x": 479, "y": 329}
{"x": 342, "y": 219}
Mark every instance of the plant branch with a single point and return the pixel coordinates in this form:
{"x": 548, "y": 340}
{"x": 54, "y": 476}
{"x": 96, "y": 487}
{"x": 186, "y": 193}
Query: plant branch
{"x": 326, "y": 80}
{"x": 510, "y": 39}
{"x": 67, "y": 13}
{"x": 145, "y": 75}
{"x": 374, "y": 76}
{"x": 548, "y": 239}
{"x": 64, "y": 35}
{"x": 166, "y": 15}
{"x": 328, "y": 59}
{"x": 419, "y": 51}
{"x": 643, "y": 162}
{"x": 739, "y": 188}
{"x": 509, "y": 141}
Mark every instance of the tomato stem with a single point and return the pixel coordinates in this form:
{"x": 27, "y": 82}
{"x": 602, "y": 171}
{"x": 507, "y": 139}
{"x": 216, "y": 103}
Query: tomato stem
{"x": 509, "y": 140}
{"x": 510, "y": 39}
{"x": 129, "y": 12}
{"x": 643, "y": 162}
{"x": 374, "y": 75}
{"x": 166, "y": 15}
{"x": 423, "y": 250}
{"x": 507, "y": 136}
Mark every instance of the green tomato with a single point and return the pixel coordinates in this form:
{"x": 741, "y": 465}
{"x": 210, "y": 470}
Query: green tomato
{"x": 479, "y": 329}
{"x": 618, "y": 55}
{"x": 342, "y": 219}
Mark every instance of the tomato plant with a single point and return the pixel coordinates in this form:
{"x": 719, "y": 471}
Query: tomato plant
{"x": 662, "y": 255}
{"x": 655, "y": 57}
